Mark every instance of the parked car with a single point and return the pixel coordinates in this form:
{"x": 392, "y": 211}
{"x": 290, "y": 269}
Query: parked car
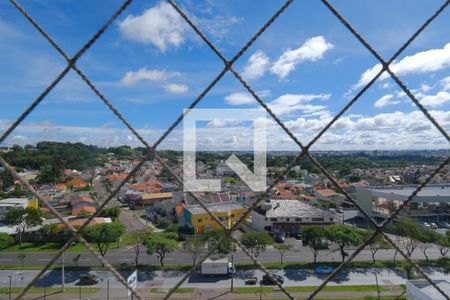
{"x": 88, "y": 279}
{"x": 426, "y": 225}
{"x": 443, "y": 225}
{"x": 251, "y": 280}
{"x": 433, "y": 226}
{"x": 339, "y": 210}
{"x": 332, "y": 210}
{"x": 267, "y": 280}
{"x": 279, "y": 237}
{"x": 324, "y": 269}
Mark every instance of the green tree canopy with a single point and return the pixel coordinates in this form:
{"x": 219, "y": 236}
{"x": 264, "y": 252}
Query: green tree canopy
{"x": 22, "y": 219}
{"x": 343, "y": 236}
{"x": 6, "y": 240}
{"x": 102, "y": 235}
{"x": 225, "y": 247}
{"x": 256, "y": 242}
{"x": 161, "y": 244}
{"x": 314, "y": 237}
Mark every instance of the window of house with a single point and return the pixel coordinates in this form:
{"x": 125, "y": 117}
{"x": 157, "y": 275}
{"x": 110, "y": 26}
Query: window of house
{"x": 317, "y": 219}
{"x": 200, "y": 220}
{"x": 287, "y": 219}
{"x": 298, "y": 219}
{"x": 268, "y": 228}
{"x": 273, "y": 219}
{"x": 232, "y": 215}
{"x": 331, "y": 219}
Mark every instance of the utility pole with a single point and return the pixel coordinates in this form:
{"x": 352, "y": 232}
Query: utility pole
{"x": 107, "y": 289}
{"x": 62, "y": 273}
{"x": 10, "y": 286}
{"x": 232, "y": 270}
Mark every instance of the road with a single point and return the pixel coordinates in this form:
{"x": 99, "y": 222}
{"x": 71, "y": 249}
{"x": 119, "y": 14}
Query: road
{"x": 131, "y": 221}
{"x": 126, "y": 255}
{"x": 167, "y": 279}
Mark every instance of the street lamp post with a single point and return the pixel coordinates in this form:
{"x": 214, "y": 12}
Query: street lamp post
{"x": 107, "y": 289}
{"x": 62, "y": 273}
{"x": 10, "y": 286}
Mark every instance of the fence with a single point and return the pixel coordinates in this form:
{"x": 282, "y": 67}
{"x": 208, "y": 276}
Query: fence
{"x": 228, "y": 67}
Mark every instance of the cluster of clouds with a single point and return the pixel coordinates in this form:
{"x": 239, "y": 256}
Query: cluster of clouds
{"x": 420, "y": 63}
{"x": 388, "y": 131}
{"x": 424, "y": 94}
{"x": 259, "y": 63}
{"x": 132, "y": 78}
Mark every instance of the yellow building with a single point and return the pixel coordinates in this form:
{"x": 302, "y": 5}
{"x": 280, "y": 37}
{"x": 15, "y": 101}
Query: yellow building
{"x": 196, "y": 217}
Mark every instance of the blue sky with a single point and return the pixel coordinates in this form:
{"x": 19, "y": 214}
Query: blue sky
{"x": 151, "y": 65}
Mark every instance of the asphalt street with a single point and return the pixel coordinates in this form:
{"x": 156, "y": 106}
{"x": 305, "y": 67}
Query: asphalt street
{"x": 167, "y": 279}
{"x": 126, "y": 255}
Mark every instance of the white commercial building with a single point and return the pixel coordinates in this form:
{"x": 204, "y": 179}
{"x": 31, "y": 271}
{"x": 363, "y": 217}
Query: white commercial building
{"x": 431, "y": 204}
{"x": 11, "y": 203}
{"x": 288, "y": 216}
{"x": 423, "y": 290}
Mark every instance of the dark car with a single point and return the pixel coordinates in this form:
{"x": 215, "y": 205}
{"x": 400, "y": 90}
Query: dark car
{"x": 88, "y": 279}
{"x": 251, "y": 280}
{"x": 279, "y": 237}
{"x": 443, "y": 225}
{"x": 267, "y": 280}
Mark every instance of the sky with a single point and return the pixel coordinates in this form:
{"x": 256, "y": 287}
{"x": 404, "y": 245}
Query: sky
{"x": 151, "y": 65}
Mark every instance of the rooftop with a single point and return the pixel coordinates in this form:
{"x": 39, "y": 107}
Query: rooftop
{"x": 296, "y": 209}
{"x": 155, "y": 196}
{"x": 214, "y": 207}
{"x": 430, "y": 290}
{"x": 428, "y": 191}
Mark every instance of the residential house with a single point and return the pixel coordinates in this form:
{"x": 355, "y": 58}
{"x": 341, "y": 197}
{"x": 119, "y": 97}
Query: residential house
{"x": 150, "y": 199}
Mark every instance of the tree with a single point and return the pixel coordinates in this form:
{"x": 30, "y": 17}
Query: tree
{"x": 139, "y": 237}
{"x": 21, "y": 256}
{"x": 410, "y": 232}
{"x": 161, "y": 244}
{"x": 343, "y": 236}
{"x": 256, "y": 242}
{"x": 426, "y": 239}
{"x": 225, "y": 247}
{"x": 377, "y": 243}
{"x": 6, "y": 240}
{"x": 49, "y": 174}
{"x": 195, "y": 247}
{"x": 443, "y": 243}
{"x": 102, "y": 235}
{"x": 314, "y": 237}
{"x": 282, "y": 248}
{"x": 6, "y": 180}
{"x": 111, "y": 212}
{"x": 22, "y": 219}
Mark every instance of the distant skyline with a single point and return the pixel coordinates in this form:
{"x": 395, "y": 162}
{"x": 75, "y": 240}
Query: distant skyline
{"x": 151, "y": 65}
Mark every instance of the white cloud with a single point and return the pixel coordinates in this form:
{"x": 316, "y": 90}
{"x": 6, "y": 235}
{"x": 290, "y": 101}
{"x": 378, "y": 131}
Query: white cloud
{"x": 436, "y": 100}
{"x": 222, "y": 123}
{"x": 256, "y": 66}
{"x": 312, "y": 50}
{"x": 386, "y": 100}
{"x": 160, "y": 26}
{"x": 289, "y": 103}
{"x": 445, "y": 83}
{"x": 132, "y": 78}
{"x": 239, "y": 98}
{"x": 422, "y": 62}
{"x": 176, "y": 88}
